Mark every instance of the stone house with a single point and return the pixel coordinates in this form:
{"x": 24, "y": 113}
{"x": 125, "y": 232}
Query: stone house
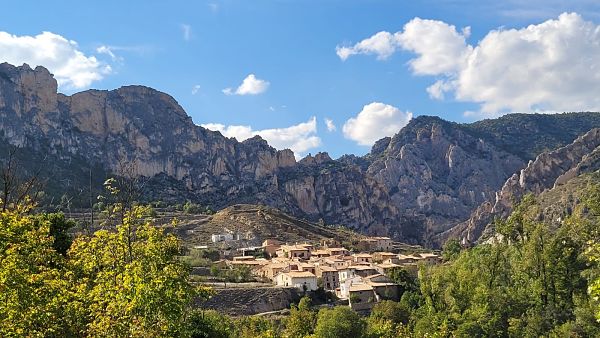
{"x": 302, "y": 280}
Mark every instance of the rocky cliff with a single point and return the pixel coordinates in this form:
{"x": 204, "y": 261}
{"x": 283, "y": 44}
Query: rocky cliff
{"x": 412, "y": 186}
{"x": 547, "y": 171}
{"x": 149, "y": 133}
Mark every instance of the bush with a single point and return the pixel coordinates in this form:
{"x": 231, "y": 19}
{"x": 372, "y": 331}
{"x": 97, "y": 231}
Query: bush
{"x": 340, "y": 321}
{"x": 192, "y": 208}
{"x": 210, "y": 324}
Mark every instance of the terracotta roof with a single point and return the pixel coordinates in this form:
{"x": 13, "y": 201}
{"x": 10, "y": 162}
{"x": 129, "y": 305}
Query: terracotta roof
{"x": 293, "y": 247}
{"x": 245, "y": 258}
{"x": 327, "y": 268}
{"x": 361, "y": 267}
{"x": 300, "y": 274}
{"x": 388, "y": 265}
{"x": 376, "y": 284}
{"x": 276, "y": 265}
{"x": 386, "y": 254}
{"x": 360, "y": 287}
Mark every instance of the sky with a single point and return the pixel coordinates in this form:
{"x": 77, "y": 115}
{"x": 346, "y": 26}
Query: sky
{"x": 327, "y": 75}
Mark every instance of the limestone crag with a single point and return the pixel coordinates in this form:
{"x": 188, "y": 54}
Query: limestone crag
{"x": 148, "y": 133}
{"x": 435, "y": 169}
{"x": 547, "y": 171}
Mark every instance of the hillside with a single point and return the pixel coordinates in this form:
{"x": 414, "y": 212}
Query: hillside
{"x": 257, "y": 223}
{"x": 545, "y": 176}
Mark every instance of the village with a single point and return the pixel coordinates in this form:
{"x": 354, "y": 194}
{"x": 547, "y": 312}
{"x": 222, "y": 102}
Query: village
{"x": 360, "y": 276}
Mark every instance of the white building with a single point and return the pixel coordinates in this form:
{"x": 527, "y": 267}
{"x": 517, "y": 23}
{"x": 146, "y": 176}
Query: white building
{"x": 221, "y": 238}
{"x": 303, "y": 280}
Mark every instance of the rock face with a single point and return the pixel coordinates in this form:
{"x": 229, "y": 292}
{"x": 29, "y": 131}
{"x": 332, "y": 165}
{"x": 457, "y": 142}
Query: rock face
{"x": 547, "y": 171}
{"x": 412, "y": 186}
{"x": 146, "y": 131}
{"x": 436, "y": 170}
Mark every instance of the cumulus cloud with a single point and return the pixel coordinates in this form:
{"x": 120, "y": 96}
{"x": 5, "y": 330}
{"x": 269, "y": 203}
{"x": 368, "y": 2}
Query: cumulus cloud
{"x": 70, "y": 66}
{"x": 250, "y": 86}
{"x": 330, "y": 125}
{"x": 374, "y": 121}
{"x": 382, "y": 44}
{"x": 551, "y": 66}
{"x": 441, "y": 49}
{"x": 300, "y": 138}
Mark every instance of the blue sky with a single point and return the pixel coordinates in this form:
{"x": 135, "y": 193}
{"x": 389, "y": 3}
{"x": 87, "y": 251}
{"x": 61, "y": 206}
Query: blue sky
{"x": 193, "y": 50}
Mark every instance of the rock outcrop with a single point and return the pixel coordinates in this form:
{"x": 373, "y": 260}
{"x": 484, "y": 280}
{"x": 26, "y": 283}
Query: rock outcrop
{"x": 547, "y": 171}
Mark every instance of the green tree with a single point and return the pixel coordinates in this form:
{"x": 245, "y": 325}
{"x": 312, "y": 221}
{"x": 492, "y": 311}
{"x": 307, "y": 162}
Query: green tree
{"x": 130, "y": 282}
{"x": 395, "y": 312}
{"x": 210, "y": 324}
{"x": 339, "y": 322}
{"x": 59, "y": 230}
{"x": 451, "y": 249}
{"x": 192, "y": 208}
{"x": 33, "y": 295}
{"x": 301, "y": 321}
{"x": 255, "y": 327}
{"x": 403, "y": 278}
{"x": 388, "y": 319}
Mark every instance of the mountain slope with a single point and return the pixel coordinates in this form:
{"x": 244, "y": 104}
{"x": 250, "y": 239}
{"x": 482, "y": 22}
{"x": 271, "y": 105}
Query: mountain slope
{"x": 548, "y": 171}
{"x": 412, "y": 186}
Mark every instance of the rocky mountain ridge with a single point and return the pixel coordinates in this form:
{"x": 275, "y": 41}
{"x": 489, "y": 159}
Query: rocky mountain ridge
{"x": 412, "y": 186}
{"x": 549, "y": 170}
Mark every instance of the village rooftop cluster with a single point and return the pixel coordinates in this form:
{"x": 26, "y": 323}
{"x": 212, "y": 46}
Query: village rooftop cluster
{"x": 360, "y": 277}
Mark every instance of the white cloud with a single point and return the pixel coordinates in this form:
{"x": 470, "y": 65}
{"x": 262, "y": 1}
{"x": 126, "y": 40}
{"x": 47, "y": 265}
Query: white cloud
{"x": 70, "y": 66}
{"x": 437, "y": 90}
{"x": 187, "y": 31}
{"x": 108, "y": 50}
{"x": 330, "y": 125}
{"x": 250, "y": 86}
{"x": 382, "y": 44}
{"x": 300, "y": 138}
{"x": 195, "y": 89}
{"x": 551, "y": 66}
{"x": 375, "y": 121}
{"x": 440, "y": 48}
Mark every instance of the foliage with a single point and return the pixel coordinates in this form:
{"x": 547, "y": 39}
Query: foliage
{"x": 394, "y": 312}
{"x": 528, "y": 282}
{"x": 33, "y": 295}
{"x": 451, "y": 249}
{"x": 129, "y": 282}
{"x": 192, "y": 208}
{"x": 255, "y": 327}
{"x": 301, "y": 321}
{"x": 210, "y": 324}
{"x": 59, "y": 230}
{"x": 123, "y": 282}
{"x": 340, "y": 321}
{"x": 403, "y": 278}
